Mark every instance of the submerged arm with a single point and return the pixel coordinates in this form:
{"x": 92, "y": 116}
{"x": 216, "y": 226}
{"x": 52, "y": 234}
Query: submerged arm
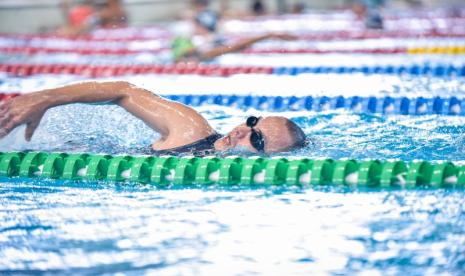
{"x": 158, "y": 113}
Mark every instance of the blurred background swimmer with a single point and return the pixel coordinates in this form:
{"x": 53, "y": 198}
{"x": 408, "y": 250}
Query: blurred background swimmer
{"x": 206, "y": 42}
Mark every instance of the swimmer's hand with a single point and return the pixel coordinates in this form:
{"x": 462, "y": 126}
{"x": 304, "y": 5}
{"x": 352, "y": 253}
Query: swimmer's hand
{"x": 25, "y": 109}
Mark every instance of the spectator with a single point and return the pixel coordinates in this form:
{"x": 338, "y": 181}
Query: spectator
{"x": 258, "y": 8}
{"x": 370, "y": 12}
{"x": 298, "y": 8}
{"x": 87, "y": 15}
{"x": 112, "y": 14}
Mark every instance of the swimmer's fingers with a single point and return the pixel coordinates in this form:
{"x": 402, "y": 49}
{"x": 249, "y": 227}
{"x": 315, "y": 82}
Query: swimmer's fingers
{"x": 4, "y": 107}
{"x": 4, "y": 118}
{"x": 6, "y": 114}
{"x": 31, "y": 128}
{"x": 7, "y": 126}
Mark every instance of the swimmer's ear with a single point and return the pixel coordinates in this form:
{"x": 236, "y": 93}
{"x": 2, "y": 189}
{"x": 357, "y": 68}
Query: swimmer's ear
{"x": 31, "y": 128}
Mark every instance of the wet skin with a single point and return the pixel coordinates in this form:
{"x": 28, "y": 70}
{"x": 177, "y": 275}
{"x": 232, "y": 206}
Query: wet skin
{"x": 177, "y": 123}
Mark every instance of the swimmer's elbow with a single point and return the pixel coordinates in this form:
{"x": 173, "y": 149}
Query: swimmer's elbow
{"x": 125, "y": 89}
{"x": 129, "y": 92}
{"x": 122, "y": 85}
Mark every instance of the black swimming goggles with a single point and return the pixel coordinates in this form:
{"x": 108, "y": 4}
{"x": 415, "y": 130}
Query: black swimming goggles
{"x": 256, "y": 137}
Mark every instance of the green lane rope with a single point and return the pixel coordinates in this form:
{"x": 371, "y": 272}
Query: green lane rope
{"x": 167, "y": 170}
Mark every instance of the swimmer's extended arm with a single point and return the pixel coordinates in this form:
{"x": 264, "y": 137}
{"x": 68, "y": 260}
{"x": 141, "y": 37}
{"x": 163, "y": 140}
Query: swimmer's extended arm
{"x": 241, "y": 45}
{"x": 162, "y": 115}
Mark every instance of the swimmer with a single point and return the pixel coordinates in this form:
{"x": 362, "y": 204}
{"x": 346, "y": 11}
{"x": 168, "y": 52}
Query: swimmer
{"x": 206, "y": 43}
{"x": 185, "y": 50}
{"x": 182, "y": 129}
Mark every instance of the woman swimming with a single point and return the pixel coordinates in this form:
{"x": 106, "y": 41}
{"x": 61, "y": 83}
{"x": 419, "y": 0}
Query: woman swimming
{"x": 182, "y": 129}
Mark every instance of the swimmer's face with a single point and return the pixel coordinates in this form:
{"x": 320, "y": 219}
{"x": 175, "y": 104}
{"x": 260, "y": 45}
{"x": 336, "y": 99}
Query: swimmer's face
{"x": 277, "y": 136}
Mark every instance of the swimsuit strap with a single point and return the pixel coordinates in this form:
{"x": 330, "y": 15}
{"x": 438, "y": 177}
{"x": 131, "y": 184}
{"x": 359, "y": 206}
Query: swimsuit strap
{"x": 199, "y": 148}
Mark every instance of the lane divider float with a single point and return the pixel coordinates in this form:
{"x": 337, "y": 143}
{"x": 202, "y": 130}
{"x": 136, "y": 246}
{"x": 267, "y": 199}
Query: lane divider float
{"x": 81, "y": 51}
{"x": 111, "y": 70}
{"x": 384, "y": 105}
{"x": 95, "y": 71}
{"x": 439, "y": 70}
{"x": 7, "y": 96}
{"x": 452, "y": 50}
{"x": 167, "y": 170}
{"x": 131, "y": 34}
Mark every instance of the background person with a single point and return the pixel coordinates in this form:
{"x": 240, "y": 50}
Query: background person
{"x": 207, "y": 43}
{"x": 84, "y": 16}
{"x": 370, "y": 12}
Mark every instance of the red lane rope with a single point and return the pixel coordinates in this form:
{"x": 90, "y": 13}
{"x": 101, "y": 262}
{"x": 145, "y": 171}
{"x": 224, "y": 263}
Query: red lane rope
{"x": 43, "y": 50}
{"x": 88, "y": 51}
{"x": 320, "y": 51}
{"x": 378, "y": 35}
{"x": 118, "y": 35}
{"x": 7, "y": 96}
{"x": 323, "y": 36}
{"x": 109, "y": 71}
{"x": 346, "y": 15}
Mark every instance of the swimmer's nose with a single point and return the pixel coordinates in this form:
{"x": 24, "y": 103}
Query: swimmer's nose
{"x": 240, "y": 132}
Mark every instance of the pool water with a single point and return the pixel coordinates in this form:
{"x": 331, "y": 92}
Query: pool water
{"x": 93, "y": 228}
{"x": 89, "y": 228}
{"x": 335, "y": 134}
{"x": 99, "y": 227}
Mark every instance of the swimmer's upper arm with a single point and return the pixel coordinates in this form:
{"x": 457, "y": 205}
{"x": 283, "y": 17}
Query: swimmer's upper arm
{"x": 141, "y": 103}
{"x": 231, "y": 48}
{"x": 147, "y": 106}
{"x": 158, "y": 113}
{"x": 164, "y": 116}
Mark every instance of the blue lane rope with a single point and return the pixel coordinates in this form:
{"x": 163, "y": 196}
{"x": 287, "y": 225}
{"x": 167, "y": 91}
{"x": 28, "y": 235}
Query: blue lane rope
{"x": 438, "y": 70}
{"x": 384, "y": 105}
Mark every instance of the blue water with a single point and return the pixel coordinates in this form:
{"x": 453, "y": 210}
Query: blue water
{"x": 91, "y": 228}
{"x": 64, "y": 227}
{"x": 336, "y": 134}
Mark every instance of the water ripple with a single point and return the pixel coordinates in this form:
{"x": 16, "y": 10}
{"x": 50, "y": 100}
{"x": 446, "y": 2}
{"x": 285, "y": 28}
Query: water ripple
{"x": 97, "y": 228}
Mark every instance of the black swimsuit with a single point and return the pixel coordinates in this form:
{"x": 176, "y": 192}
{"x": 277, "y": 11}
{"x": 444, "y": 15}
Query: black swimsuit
{"x": 199, "y": 148}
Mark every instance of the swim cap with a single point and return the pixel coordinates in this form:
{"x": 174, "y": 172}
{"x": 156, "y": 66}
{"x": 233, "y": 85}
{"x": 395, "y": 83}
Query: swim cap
{"x": 207, "y": 19}
{"x": 181, "y": 47}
